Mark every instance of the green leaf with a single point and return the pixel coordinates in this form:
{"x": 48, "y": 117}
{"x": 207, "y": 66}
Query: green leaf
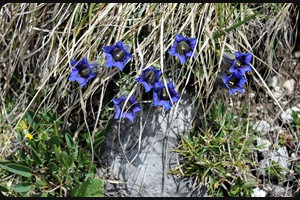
{"x": 56, "y": 151}
{"x": 17, "y": 169}
{"x": 52, "y": 167}
{"x": 3, "y": 189}
{"x": 69, "y": 140}
{"x": 40, "y": 183}
{"x": 36, "y": 157}
{"x": 218, "y": 34}
{"x": 80, "y": 158}
{"x": 90, "y": 188}
{"x": 42, "y": 147}
{"x": 70, "y": 160}
{"x": 22, "y": 187}
{"x": 54, "y": 140}
{"x": 63, "y": 159}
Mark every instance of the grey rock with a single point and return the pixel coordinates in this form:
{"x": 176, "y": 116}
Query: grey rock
{"x": 286, "y": 115}
{"x": 262, "y": 126}
{"x": 266, "y": 144}
{"x": 278, "y": 94}
{"x": 251, "y": 95}
{"x": 289, "y": 85}
{"x": 148, "y": 145}
{"x": 277, "y": 89}
{"x": 280, "y": 157}
{"x": 258, "y": 193}
{"x": 273, "y": 81}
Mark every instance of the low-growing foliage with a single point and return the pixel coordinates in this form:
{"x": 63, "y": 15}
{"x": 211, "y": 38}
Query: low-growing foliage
{"x": 49, "y": 163}
{"x": 217, "y": 153}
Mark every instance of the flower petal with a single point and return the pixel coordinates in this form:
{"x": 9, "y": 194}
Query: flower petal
{"x": 73, "y": 75}
{"x": 244, "y": 69}
{"x": 181, "y": 58}
{"x": 108, "y": 49}
{"x": 120, "y": 65}
{"x": 180, "y": 38}
{"x": 129, "y": 116}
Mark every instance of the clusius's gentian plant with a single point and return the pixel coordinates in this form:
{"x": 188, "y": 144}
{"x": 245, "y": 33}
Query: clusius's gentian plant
{"x": 149, "y": 77}
{"x": 240, "y": 64}
{"x": 82, "y": 71}
{"x": 131, "y": 108}
{"x": 161, "y": 97}
{"x": 232, "y": 83}
{"x": 116, "y": 55}
{"x": 183, "y": 48}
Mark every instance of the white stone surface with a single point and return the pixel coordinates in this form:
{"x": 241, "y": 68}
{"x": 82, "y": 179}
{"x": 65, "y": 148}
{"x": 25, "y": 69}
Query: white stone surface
{"x": 280, "y": 156}
{"x": 266, "y": 144}
{"x": 147, "y": 175}
{"x": 286, "y": 115}
{"x": 258, "y": 193}
{"x": 262, "y": 126}
{"x": 273, "y": 81}
{"x": 289, "y": 85}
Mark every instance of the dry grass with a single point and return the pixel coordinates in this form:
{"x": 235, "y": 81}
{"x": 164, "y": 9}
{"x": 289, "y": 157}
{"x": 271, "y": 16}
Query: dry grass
{"x": 37, "y": 41}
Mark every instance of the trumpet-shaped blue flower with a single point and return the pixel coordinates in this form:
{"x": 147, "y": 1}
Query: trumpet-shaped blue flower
{"x": 241, "y": 64}
{"x": 116, "y": 55}
{"x": 149, "y": 77}
{"x": 183, "y": 48}
{"x": 82, "y": 71}
{"x": 234, "y": 84}
{"x": 161, "y": 97}
{"x": 131, "y": 108}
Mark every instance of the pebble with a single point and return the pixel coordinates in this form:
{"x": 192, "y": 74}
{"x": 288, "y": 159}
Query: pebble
{"x": 289, "y": 85}
{"x": 264, "y": 143}
{"x": 262, "y": 126}
{"x": 251, "y": 95}
{"x": 277, "y": 94}
{"x": 276, "y": 88}
{"x": 280, "y": 156}
{"x": 286, "y": 115}
{"x": 296, "y": 54}
{"x": 258, "y": 193}
{"x": 273, "y": 81}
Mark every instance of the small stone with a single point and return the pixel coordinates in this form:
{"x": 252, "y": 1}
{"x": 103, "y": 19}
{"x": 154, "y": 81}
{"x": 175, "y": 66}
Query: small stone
{"x": 280, "y": 156}
{"x": 273, "y": 81}
{"x": 286, "y": 115}
{"x": 289, "y": 85}
{"x": 258, "y": 193}
{"x": 251, "y": 95}
{"x": 262, "y": 126}
{"x": 264, "y": 143}
{"x": 296, "y": 54}
{"x": 277, "y": 88}
{"x": 276, "y": 129}
{"x": 277, "y": 94}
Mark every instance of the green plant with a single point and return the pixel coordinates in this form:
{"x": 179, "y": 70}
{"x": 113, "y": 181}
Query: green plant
{"x": 50, "y": 163}
{"x": 274, "y": 170}
{"x": 296, "y": 119}
{"x": 218, "y": 153}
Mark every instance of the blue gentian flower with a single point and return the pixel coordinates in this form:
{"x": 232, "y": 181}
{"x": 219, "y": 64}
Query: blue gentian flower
{"x": 183, "y": 48}
{"x": 131, "y": 108}
{"x": 241, "y": 64}
{"x": 149, "y": 77}
{"x": 116, "y": 55}
{"x": 161, "y": 97}
{"x": 82, "y": 71}
{"x": 234, "y": 84}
